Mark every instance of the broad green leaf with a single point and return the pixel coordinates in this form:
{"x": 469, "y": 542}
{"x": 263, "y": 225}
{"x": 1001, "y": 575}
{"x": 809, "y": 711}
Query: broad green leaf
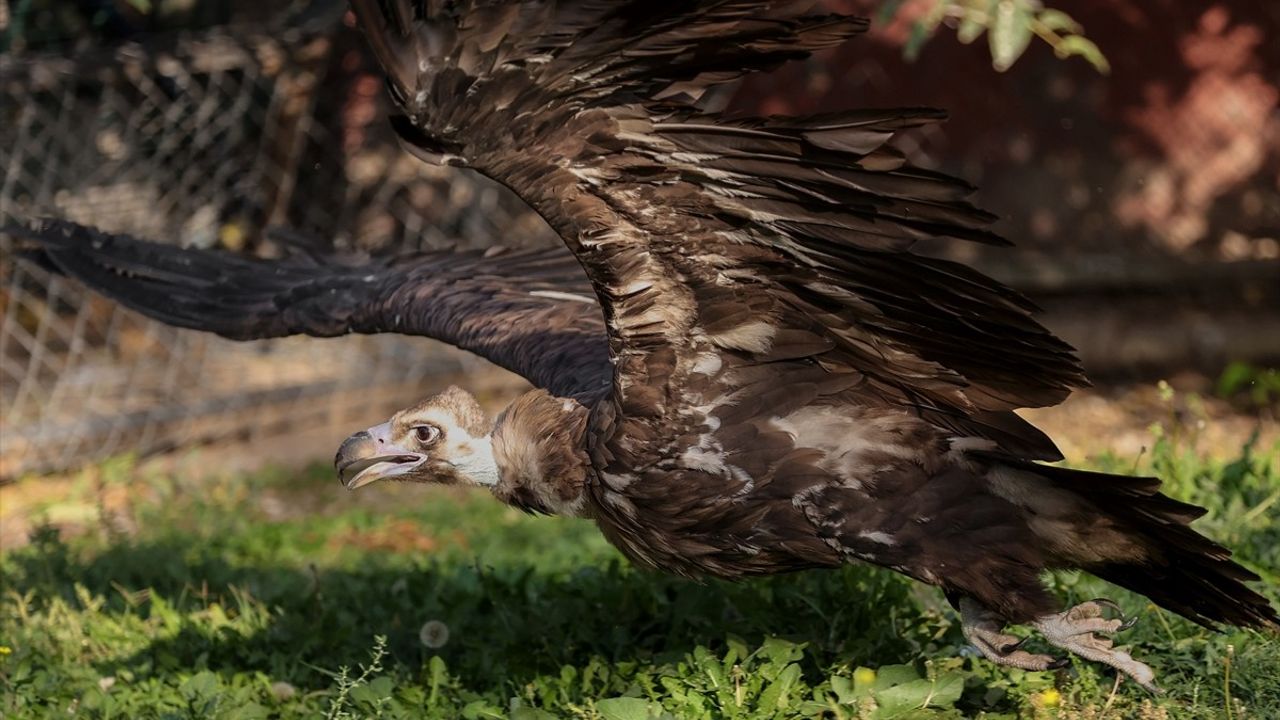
{"x": 623, "y": 708}
{"x": 481, "y": 710}
{"x": 202, "y": 685}
{"x": 778, "y": 652}
{"x": 737, "y": 650}
{"x": 901, "y": 700}
{"x": 844, "y": 690}
{"x": 382, "y": 686}
{"x": 249, "y": 711}
{"x": 438, "y": 672}
{"x": 898, "y": 700}
{"x": 891, "y": 675}
{"x": 777, "y": 694}
{"x": 99, "y": 701}
{"x": 947, "y": 688}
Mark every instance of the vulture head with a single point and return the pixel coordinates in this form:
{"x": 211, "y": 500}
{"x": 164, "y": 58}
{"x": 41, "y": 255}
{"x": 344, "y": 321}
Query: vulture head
{"x": 443, "y": 439}
{"x": 531, "y": 457}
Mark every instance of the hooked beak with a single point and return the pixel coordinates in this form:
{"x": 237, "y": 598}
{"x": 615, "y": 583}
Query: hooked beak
{"x": 370, "y": 455}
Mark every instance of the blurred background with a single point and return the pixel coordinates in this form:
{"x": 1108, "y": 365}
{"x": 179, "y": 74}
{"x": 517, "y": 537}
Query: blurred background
{"x": 1132, "y": 150}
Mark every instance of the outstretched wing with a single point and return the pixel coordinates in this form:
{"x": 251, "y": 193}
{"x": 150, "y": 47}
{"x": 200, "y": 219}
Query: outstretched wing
{"x": 530, "y": 311}
{"x": 745, "y": 268}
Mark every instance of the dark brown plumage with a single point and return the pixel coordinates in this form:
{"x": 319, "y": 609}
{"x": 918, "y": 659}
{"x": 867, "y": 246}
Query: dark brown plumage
{"x": 785, "y": 384}
{"x": 529, "y": 311}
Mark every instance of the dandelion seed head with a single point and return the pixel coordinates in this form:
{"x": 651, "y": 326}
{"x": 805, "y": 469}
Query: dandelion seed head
{"x": 434, "y": 634}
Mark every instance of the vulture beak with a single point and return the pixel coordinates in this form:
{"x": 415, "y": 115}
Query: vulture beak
{"x": 370, "y": 455}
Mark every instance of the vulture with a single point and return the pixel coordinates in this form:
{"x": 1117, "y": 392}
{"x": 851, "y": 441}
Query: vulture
{"x": 740, "y": 366}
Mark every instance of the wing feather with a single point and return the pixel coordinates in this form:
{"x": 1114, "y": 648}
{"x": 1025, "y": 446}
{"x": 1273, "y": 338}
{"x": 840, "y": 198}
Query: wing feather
{"x": 522, "y": 310}
{"x": 774, "y": 243}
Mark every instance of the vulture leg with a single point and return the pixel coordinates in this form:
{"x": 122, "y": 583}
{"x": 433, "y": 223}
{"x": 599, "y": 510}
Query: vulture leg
{"x": 1084, "y": 631}
{"x": 1081, "y": 630}
{"x": 983, "y": 628}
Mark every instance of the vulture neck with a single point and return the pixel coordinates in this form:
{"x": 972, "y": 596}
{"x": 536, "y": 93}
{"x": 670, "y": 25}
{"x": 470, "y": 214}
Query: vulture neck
{"x": 539, "y": 446}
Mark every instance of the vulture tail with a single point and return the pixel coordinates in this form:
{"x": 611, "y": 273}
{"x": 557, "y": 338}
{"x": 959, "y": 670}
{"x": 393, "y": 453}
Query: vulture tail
{"x": 1142, "y": 540}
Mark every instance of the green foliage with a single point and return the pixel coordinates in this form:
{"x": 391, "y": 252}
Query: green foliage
{"x": 1260, "y": 386}
{"x": 368, "y": 690}
{"x": 220, "y": 607}
{"x": 1010, "y": 26}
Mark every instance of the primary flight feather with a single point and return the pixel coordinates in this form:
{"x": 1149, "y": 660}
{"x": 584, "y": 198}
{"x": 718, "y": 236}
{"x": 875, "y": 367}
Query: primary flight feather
{"x": 741, "y": 366}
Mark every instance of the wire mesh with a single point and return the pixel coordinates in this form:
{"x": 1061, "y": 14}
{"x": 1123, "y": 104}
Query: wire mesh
{"x": 1113, "y": 193}
{"x": 205, "y": 140}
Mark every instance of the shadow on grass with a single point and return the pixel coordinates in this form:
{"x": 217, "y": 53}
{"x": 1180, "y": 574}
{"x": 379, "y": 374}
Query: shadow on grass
{"x": 205, "y": 603}
{"x": 507, "y": 624}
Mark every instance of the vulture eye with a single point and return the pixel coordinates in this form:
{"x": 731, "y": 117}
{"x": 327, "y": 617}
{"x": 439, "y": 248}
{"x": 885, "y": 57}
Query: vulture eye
{"x": 426, "y": 434}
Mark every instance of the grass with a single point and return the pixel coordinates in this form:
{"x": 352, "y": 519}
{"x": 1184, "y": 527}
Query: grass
{"x": 280, "y": 595}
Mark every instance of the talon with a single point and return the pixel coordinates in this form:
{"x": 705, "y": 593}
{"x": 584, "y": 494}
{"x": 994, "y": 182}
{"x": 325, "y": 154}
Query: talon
{"x": 982, "y": 628}
{"x": 1059, "y": 663}
{"x": 1104, "y": 602}
{"x": 1013, "y": 647}
{"x": 1126, "y": 622}
{"x": 1082, "y": 631}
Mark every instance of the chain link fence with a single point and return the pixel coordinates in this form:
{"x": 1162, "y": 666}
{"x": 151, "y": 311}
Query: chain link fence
{"x": 209, "y": 140}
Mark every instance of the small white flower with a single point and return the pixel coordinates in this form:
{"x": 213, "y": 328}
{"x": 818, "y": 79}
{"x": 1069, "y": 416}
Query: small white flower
{"x": 434, "y": 634}
{"x": 106, "y": 683}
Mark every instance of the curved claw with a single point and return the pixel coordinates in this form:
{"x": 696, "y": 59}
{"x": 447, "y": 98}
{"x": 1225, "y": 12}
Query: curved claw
{"x": 1060, "y": 663}
{"x": 1084, "y": 632}
{"x": 1108, "y": 603}
{"x": 1013, "y": 647}
{"x": 1126, "y": 622}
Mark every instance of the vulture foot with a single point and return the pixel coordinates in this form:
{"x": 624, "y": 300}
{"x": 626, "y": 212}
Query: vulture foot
{"x": 1083, "y": 630}
{"x": 983, "y": 629}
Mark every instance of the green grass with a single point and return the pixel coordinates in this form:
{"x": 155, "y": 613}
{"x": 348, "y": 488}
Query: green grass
{"x": 280, "y": 595}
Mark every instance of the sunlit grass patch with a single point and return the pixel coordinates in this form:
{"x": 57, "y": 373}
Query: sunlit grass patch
{"x": 247, "y": 596}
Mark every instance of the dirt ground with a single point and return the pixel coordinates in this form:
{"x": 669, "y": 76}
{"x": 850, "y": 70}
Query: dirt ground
{"x": 1112, "y": 419}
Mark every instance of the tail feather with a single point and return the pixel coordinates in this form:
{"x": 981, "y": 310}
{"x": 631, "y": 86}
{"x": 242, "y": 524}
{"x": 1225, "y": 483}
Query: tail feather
{"x": 1184, "y": 571}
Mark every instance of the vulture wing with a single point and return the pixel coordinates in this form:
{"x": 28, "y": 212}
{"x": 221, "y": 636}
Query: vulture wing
{"x": 530, "y": 311}
{"x": 745, "y": 268}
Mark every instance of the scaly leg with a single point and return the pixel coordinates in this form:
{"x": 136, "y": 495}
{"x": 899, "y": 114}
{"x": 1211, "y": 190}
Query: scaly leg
{"x": 1081, "y": 630}
{"x": 1084, "y": 631}
{"x": 983, "y": 629}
